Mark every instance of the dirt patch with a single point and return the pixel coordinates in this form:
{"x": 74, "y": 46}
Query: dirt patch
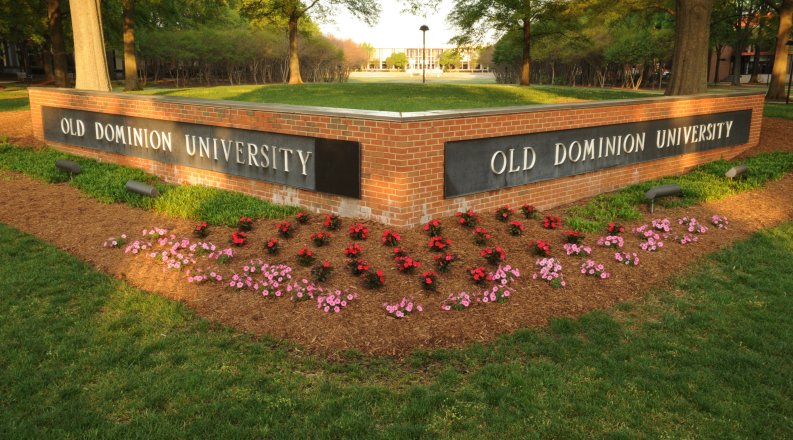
{"x": 19, "y": 128}
{"x": 79, "y": 225}
{"x": 775, "y": 136}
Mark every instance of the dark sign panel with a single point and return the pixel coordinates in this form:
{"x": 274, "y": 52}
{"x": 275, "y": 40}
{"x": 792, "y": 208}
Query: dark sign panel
{"x": 324, "y": 165}
{"x": 478, "y": 165}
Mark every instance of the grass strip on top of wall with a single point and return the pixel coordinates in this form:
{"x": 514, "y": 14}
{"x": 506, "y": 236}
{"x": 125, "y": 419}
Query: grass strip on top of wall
{"x": 105, "y": 182}
{"x": 14, "y": 99}
{"x": 704, "y": 183}
{"x": 83, "y": 355}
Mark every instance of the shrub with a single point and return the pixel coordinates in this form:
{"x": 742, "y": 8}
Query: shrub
{"x": 468, "y": 219}
{"x": 429, "y": 280}
{"x": 433, "y": 228}
{"x": 719, "y": 221}
{"x": 626, "y": 258}
{"x": 515, "y": 228}
{"x": 321, "y": 238}
{"x": 322, "y": 272}
{"x": 201, "y": 230}
{"x": 272, "y": 246}
{"x": 457, "y": 301}
{"x": 305, "y": 257}
{"x": 358, "y": 267}
{"x": 551, "y": 222}
{"x": 302, "y": 217}
{"x": 373, "y": 279}
{"x": 239, "y": 238}
{"x": 390, "y": 238}
{"x": 528, "y": 211}
{"x": 493, "y": 255}
{"x": 573, "y": 236}
{"x": 332, "y": 222}
{"x": 406, "y": 264}
{"x": 403, "y": 308}
{"x": 612, "y": 241}
{"x": 594, "y": 269}
{"x": 615, "y": 229}
{"x": 541, "y": 248}
{"x": 353, "y": 250}
{"x": 245, "y": 224}
{"x": 335, "y": 301}
{"x": 285, "y": 229}
{"x": 481, "y": 236}
{"x": 443, "y": 262}
{"x": 577, "y": 249}
{"x": 550, "y": 270}
{"x": 439, "y": 244}
{"x": 478, "y": 275}
{"x": 359, "y": 232}
{"x": 503, "y": 213}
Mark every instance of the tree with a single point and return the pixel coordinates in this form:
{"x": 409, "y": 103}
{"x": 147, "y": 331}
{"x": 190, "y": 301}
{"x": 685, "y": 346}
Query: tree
{"x": 89, "y": 46}
{"x": 398, "y": 60}
{"x": 692, "y": 36}
{"x": 130, "y": 58}
{"x": 784, "y": 10}
{"x": 291, "y": 12}
{"x": 450, "y": 59}
{"x": 474, "y": 18}
{"x": 58, "y": 42}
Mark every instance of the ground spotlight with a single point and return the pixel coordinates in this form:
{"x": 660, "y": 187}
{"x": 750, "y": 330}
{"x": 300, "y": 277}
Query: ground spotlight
{"x": 141, "y": 188}
{"x": 68, "y": 166}
{"x": 661, "y": 191}
{"x": 736, "y": 171}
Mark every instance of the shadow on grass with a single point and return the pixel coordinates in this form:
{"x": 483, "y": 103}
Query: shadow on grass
{"x": 14, "y": 104}
{"x": 710, "y": 360}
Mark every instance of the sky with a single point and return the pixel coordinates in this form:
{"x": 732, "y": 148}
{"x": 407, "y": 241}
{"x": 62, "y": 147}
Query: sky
{"x": 395, "y": 28}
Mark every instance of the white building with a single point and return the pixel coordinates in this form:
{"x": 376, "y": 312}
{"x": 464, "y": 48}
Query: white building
{"x": 430, "y": 59}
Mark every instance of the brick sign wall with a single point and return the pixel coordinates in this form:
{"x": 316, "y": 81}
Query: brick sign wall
{"x": 404, "y": 163}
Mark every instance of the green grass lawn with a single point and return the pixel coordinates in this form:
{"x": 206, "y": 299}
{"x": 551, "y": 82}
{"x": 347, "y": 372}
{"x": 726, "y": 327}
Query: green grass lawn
{"x": 401, "y": 97}
{"x": 106, "y": 183}
{"x": 14, "y": 99}
{"x": 779, "y": 111}
{"x": 83, "y": 355}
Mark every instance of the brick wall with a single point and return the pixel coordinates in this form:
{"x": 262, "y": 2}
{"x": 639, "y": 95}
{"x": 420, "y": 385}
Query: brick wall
{"x": 402, "y": 154}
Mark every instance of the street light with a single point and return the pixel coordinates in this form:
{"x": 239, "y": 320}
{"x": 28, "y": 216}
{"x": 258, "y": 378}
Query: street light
{"x": 790, "y": 76}
{"x": 424, "y": 30}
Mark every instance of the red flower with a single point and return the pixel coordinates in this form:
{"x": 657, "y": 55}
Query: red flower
{"x": 238, "y": 238}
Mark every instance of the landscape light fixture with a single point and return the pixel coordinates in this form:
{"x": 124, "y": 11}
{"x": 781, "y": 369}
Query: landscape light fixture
{"x": 68, "y": 166}
{"x": 141, "y": 188}
{"x": 736, "y": 171}
{"x": 790, "y": 76}
{"x": 424, "y": 28}
{"x": 661, "y": 191}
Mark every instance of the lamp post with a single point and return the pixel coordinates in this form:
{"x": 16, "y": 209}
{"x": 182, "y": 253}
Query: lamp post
{"x": 424, "y": 30}
{"x": 790, "y": 76}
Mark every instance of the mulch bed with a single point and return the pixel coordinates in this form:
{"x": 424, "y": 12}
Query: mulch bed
{"x": 79, "y": 225}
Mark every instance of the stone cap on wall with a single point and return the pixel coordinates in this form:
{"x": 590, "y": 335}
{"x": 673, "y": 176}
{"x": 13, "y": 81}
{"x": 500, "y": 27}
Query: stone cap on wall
{"x": 386, "y": 116}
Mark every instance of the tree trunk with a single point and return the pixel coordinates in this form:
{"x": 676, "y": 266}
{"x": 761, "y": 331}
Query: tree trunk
{"x": 294, "y": 59}
{"x": 710, "y": 56}
{"x": 55, "y": 25}
{"x": 755, "y": 78}
{"x": 46, "y": 60}
{"x": 692, "y": 33}
{"x": 130, "y": 58}
{"x": 717, "y": 69}
{"x": 89, "y": 46}
{"x": 525, "y": 65}
{"x": 776, "y": 88}
{"x": 736, "y": 65}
